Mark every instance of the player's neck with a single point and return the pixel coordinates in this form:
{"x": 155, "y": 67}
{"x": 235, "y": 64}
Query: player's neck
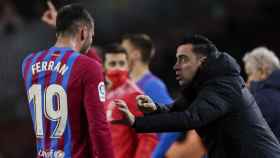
{"x": 63, "y": 42}
{"x": 138, "y": 71}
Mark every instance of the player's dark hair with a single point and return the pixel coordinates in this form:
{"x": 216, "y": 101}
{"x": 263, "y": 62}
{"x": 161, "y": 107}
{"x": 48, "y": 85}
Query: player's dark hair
{"x": 71, "y": 17}
{"x": 201, "y": 45}
{"x": 113, "y": 49}
{"x": 142, "y": 42}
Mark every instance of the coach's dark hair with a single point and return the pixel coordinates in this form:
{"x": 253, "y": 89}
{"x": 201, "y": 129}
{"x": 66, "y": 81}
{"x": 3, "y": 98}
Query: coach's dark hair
{"x": 113, "y": 49}
{"x": 142, "y": 42}
{"x": 201, "y": 45}
{"x": 71, "y": 17}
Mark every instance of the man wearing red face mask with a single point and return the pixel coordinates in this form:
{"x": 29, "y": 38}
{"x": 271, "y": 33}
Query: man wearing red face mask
{"x": 126, "y": 142}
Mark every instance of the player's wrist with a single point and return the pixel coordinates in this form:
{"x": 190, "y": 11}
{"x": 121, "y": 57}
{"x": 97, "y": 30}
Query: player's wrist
{"x": 131, "y": 119}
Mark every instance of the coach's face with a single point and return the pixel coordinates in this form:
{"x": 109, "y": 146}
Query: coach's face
{"x": 187, "y": 64}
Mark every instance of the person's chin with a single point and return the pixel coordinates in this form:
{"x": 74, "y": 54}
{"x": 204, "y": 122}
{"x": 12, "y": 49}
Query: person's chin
{"x": 181, "y": 82}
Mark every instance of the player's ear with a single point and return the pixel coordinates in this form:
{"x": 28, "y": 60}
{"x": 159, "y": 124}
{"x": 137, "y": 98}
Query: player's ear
{"x": 82, "y": 33}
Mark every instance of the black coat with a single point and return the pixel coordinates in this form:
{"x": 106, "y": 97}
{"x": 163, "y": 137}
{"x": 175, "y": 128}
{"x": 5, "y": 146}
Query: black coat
{"x": 267, "y": 95}
{"x": 222, "y": 111}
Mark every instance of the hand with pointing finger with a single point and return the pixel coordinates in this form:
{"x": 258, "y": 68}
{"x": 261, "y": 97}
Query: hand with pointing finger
{"x": 49, "y": 16}
{"x": 145, "y": 104}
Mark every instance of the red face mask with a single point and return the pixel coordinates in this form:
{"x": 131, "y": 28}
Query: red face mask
{"x": 117, "y": 77}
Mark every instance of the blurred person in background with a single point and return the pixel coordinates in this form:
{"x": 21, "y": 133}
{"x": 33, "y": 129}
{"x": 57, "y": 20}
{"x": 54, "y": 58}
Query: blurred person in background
{"x": 66, "y": 92}
{"x": 9, "y": 18}
{"x": 140, "y": 50}
{"x": 262, "y": 69}
{"x": 126, "y": 142}
{"x": 214, "y": 101}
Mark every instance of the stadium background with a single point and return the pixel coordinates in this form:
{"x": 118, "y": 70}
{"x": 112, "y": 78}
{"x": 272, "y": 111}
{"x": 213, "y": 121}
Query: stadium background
{"x": 235, "y": 26}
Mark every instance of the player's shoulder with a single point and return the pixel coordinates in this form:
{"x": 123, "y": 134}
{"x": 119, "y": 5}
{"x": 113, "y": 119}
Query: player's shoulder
{"x": 153, "y": 80}
{"x": 87, "y": 66}
{"x": 32, "y": 54}
{"x": 28, "y": 56}
{"x": 133, "y": 88}
{"x": 87, "y": 61}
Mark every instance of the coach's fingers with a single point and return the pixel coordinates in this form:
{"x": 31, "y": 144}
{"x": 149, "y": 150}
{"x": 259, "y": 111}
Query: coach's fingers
{"x": 151, "y": 107}
{"x": 142, "y": 98}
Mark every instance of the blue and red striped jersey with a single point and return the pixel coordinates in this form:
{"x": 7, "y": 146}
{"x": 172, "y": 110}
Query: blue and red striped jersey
{"x": 66, "y": 92}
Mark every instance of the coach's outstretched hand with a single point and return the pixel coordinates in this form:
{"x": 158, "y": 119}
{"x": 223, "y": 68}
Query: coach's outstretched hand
{"x": 145, "y": 104}
{"x": 123, "y": 107}
{"x": 50, "y": 15}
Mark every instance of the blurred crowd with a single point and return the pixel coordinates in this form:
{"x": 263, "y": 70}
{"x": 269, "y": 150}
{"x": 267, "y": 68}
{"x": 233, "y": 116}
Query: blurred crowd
{"x": 22, "y": 31}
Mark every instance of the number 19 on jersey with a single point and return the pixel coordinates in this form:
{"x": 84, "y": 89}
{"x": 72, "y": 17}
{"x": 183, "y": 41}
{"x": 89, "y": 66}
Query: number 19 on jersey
{"x": 46, "y": 105}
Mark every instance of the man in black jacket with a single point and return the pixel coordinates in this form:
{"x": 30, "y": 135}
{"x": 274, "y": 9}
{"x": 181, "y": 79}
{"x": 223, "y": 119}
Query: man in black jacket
{"x": 214, "y": 102}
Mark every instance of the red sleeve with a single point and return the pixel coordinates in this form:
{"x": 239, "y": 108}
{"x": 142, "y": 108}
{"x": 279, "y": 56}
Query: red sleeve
{"x": 146, "y": 141}
{"x": 94, "y": 96}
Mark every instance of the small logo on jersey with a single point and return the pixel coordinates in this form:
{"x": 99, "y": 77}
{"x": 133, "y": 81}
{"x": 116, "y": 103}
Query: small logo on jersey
{"x": 59, "y": 154}
{"x": 51, "y": 153}
{"x": 101, "y": 91}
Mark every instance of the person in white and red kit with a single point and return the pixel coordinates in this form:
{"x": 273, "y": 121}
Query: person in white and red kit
{"x": 126, "y": 142}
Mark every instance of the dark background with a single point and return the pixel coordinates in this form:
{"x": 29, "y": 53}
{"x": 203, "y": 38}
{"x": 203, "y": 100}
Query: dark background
{"x": 235, "y": 26}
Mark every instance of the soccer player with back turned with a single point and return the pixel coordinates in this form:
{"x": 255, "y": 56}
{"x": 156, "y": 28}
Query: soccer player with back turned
{"x": 66, "y": 92}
